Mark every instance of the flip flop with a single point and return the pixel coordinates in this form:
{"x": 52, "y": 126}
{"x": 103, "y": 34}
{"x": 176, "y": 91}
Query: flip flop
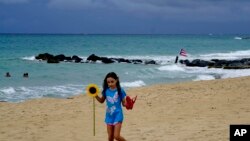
{"x": 130, "y": 102}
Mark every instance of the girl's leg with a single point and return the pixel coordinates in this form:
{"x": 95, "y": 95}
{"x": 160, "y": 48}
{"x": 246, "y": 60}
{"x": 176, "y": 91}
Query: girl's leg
{"x": 110, "y": 130}
{"x": 117, "y": 132}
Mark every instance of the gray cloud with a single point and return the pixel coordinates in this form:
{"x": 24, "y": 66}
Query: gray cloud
{"x": 13, "y": 1}
{"x": 77, "y": 4}
{"x": 125, "y": 16}
{"x": 202, "y": 10}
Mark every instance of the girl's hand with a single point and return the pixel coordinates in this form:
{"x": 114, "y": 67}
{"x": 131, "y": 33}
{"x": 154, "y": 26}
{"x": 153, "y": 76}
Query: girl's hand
{"x": 100, "y": 99}
{"x": 124, "y": 103}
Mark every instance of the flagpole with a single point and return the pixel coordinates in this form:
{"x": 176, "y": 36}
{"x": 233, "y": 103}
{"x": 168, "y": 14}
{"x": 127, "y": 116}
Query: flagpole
{"x": 176, "y": 59}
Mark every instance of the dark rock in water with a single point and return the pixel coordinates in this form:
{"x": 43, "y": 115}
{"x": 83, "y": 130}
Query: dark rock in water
{"x": 220, "y": 64}
{"x": 150, "y": 62}
{"x": 235, "y": 64}
{"x": 120, "y": 60}
{"x": 106, "y": 60}
{"x": 60, "y": 57}
{"x": 68, "y": 59}
{"x": 184, "y": 61}
{"x": 210, "y": 64}
{"x": 77, "y": 59}
{"x": 93, "y": 58}
{"x": 136, "y": 61}
{"x": 52, "y": 60}
{"x": 203, "y": 63}
{"x": 215, "y": 60}
{"x": 198, "y": 63}
{"x": 216, "y": 63}
{"x": 245, "y": 61}
{"x": 44, "y": 56}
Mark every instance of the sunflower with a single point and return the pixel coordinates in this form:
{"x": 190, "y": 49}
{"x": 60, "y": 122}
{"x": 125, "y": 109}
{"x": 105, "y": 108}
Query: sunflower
{"x": 92, "y": 90}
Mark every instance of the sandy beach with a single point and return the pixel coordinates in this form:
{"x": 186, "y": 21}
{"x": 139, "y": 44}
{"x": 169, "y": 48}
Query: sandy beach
{"x": 189, "y": 111}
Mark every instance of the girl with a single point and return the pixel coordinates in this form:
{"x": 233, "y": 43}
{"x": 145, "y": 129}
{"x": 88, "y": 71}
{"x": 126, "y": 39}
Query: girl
{"x": 114, "y": 96}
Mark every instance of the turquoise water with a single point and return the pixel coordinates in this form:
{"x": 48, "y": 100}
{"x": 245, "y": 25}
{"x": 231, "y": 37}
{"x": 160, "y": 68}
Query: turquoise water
{"x": 17, "y": 54}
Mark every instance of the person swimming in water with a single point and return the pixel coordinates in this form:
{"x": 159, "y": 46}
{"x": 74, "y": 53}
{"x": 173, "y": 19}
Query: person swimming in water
{"x": 26, "y": 75}
{"x": 7, "y": 74}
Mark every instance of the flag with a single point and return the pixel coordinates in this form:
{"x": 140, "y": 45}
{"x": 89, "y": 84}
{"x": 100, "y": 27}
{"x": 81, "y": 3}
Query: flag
{"x": 183, "y": 53}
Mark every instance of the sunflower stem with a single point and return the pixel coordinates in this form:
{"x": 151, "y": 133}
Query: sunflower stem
{"x": 93, "y": 116}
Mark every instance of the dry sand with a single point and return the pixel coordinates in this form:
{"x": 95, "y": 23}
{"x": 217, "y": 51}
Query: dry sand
{"x": 190, "y": 111}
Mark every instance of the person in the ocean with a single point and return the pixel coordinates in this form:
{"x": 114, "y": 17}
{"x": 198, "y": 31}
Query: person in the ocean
{"x": 26, "y": 75}
{"x": 114, "y": 96}
{"x": 7, "y": 74}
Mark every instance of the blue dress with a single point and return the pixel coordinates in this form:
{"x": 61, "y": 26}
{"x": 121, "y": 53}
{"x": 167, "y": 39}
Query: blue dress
{"x": 114, "y": 112}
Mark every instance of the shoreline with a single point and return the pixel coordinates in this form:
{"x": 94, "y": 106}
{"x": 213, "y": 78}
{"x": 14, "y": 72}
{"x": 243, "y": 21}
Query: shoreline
{"x": 194, "y": 110}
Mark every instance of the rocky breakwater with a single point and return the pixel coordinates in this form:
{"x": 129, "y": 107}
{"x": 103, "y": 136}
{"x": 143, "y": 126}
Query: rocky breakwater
{"x": 216, "y": 63}
{"x": 91, "y": 59}
{"x": 58, "y": 58}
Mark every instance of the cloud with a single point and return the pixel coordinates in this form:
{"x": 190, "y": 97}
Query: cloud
{"x": 125, "y": 16}
{"x": 77, "y": 4}
{"x": 202, "y": 10}
{"x": 13, "y": 1}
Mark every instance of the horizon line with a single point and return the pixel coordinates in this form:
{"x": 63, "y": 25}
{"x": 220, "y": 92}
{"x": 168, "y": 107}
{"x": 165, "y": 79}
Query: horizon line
{"x": 124, "y": 33}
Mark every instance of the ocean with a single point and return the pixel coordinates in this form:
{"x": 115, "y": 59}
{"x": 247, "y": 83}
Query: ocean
{"x": 18, "y": 51}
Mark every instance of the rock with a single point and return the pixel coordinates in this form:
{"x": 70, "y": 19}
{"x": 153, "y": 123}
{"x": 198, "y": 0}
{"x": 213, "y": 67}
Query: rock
{"x": 136, "y": 61}
{"x": 119, "y": 60}
{"x": 216, "y": 63}
{"x": 44, "y": 56}
{"x": 184, "y": 61}
{"x": 150, "y": 62}
{"x": 68, "y": 59}
{"x": 93, "y": 58}
{"x": 52, "y": 60}
{"x": 77, "y": 59}
{"x": 198, "y": 63}
{"x": 106, "y": 60}
{"x": 220, "y": 64}
{"x": 60, "y": 57}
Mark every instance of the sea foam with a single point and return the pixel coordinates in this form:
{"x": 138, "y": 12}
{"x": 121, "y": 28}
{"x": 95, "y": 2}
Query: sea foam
{"x": 238, "y": 38}
{"x": 171, "y": 68}
{"x": 8, "y": 90}
{"x": 22, "y": 93}
{"x": 31, "y": 58}
{"x": 137, "y": 83}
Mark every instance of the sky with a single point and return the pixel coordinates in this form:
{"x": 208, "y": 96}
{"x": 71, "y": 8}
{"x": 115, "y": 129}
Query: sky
{"x": 125, "y": 16}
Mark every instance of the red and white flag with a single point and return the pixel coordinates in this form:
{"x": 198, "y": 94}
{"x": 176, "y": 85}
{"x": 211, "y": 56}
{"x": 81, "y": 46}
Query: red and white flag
{"x": 183, "y": 53}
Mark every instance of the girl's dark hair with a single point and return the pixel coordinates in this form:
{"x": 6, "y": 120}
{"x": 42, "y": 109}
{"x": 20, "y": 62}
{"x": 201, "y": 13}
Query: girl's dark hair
{"x": 105, "y": 84}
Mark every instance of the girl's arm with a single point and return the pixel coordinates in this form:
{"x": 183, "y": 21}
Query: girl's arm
{"x": 100, "y": 99}
{"x": 124, "y": 102}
